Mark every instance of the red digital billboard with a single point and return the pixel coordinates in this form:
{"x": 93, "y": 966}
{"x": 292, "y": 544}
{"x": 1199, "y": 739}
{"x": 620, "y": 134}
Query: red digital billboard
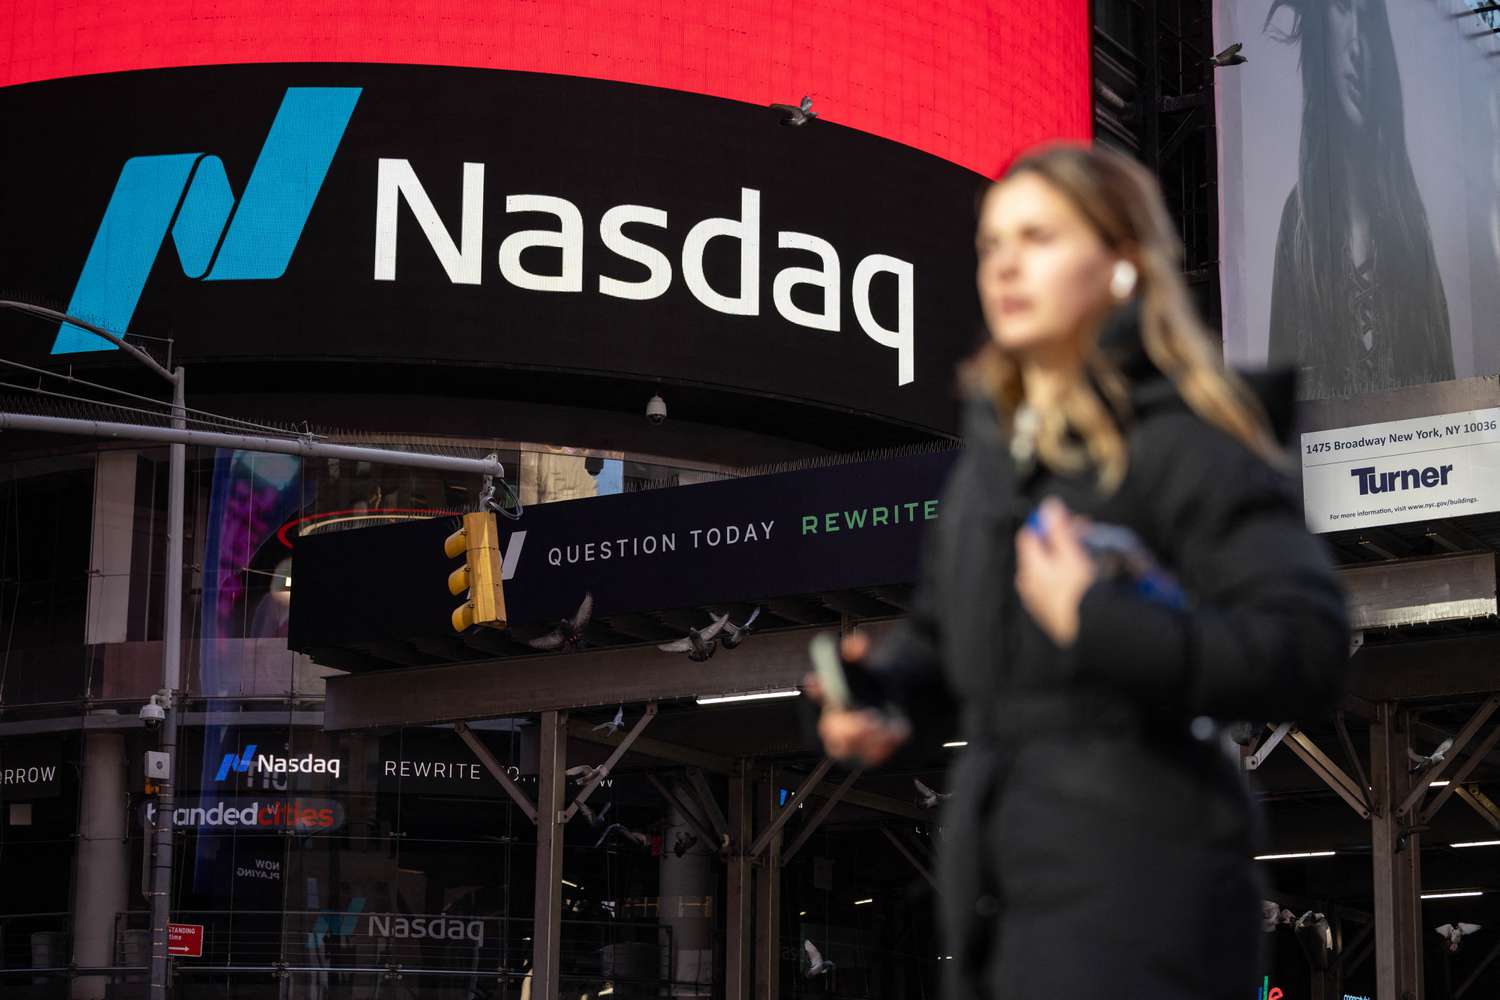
{"x": 966, "y": 80}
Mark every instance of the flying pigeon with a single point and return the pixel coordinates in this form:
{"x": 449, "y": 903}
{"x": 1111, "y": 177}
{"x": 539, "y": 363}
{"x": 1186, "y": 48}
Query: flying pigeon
{"x": 685, "y": 842}
{"x": 1454, "y": 933}
{"x": 818, "y": 964}
{"x": 927, "y": 798}
{"x": 798, "y": 114}
{"x": 1314, "y": 928}
{"x": 1272, "y": 915}
{"x": 568, "y": 633}
{"x": 699, "y": 645}
{"x": 640, "y": 839}
{"x": 582, "y": 774}
{"x": 613, "y": 725}
{"x": 596, "y": 819}
{"x": 1232, "y": 56}
{"x": 1420, "y": 763}
{"x": 735, "y": 634}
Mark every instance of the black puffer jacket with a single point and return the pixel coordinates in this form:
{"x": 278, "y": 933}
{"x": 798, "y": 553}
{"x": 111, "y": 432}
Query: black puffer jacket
{"x": 1094, "y": 843}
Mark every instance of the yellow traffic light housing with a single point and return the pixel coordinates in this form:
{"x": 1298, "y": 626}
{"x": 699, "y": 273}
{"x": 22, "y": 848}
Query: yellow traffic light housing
{"x": 478, "y": 543}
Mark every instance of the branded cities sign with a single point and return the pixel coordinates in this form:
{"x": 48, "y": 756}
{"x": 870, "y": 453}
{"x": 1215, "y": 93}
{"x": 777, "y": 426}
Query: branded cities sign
{"x": 1402, "y": 470}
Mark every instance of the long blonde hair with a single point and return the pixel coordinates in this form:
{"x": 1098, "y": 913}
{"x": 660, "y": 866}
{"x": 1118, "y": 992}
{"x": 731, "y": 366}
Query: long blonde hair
{"x": 1122, "y": 202}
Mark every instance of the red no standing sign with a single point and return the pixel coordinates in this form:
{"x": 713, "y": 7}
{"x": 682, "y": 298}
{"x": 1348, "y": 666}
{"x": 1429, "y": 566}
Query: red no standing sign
{"x": 185, "y": 940}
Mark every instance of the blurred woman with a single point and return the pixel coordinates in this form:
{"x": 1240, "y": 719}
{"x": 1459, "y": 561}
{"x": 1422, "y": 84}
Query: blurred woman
{"x": 1099, "y": 836}
{"x": 1357, "y": 302}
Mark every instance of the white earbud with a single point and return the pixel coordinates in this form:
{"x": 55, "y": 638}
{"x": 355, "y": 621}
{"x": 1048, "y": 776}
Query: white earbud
{"x": 1122, "y": 281}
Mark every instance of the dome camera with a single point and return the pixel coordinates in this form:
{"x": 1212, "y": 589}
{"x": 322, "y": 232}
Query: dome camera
{"x": 656, "y": 410}
{"x": 153, "y": 714}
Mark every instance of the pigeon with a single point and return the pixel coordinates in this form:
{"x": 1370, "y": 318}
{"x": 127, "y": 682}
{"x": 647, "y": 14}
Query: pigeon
{"x": 699, "y": 644}
{"x": 613, "y": 725}
{"x": 735, "y": 634}
{"x": 926, "y": 797}
{"x": 1454, "y": 933}
{"x": 596, "y": 819}
{"x": 1420, "y": 763}
{"x": 818, "y": 965}
{"x": 1314, "y": 928}
{"x": 582, "y": 774}
{"x": 568, "y": 633}
{"x": 1272, "y": 915}
{"x": 798, "y": 114}
{"x": 684, "y": 843}
{"x": 640, "y": 839}
{"x": 1232, "y": 56}
{"x": 724, "y": 843}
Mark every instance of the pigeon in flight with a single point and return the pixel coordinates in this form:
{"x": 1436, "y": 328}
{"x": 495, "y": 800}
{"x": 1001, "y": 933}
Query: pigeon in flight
{"x": 596, "y": 819}
{"x": 636, "y": 837}
{"x": 684, "y": 843}
{"x": 1420, "y": 763}
{"x": 927, "y": 798}
{"x": 613, "y": 725}
{"x": 1272, "y": 915}
{"x": 568, "y": 633}
{"x": 796, "y": 114}
{"x": 1455, "y": 933}
{"x": 1232, "y": 56}
{"x": 699, "y": 644}
{"x": 582, "y": 774}
{"x": 735, "y": 634}
{"x": 818, "y": 965}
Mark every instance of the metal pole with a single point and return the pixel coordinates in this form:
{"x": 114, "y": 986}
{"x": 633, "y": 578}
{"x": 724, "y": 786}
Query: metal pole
{"x": 171, "y": 680}
{"x": 304, "y": 447}
{"x": 546, "y": 951}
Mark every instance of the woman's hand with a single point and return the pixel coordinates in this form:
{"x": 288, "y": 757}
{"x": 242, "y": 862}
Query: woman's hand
{"x": 1054, "y": 571}
{"x": 860, "y": 733}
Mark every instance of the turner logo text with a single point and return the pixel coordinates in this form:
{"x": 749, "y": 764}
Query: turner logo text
{"x": 1372, "y": 480}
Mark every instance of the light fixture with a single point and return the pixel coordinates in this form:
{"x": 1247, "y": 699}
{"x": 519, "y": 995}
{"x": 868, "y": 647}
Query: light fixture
{"x": 1452, "y": 895}
{"x": 1437, "y": 784}
{"x": 862, "y": 902}
{"x": 720, "y": 699}
{"x": 955, "y": 744}
{"x": 1295, "y": 854}
{"x": 801, "y": 913}
{"x": 571, "y": 885}
{"x": 1477, "y": 843}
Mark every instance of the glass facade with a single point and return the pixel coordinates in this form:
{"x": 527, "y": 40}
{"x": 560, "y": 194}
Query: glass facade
{"x": 352, "y": 865}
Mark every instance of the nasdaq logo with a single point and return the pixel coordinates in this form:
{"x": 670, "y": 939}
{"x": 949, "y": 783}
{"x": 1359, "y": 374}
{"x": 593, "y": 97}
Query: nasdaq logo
{"x": 216, "y": 238}
{"x": 240, "y": 764}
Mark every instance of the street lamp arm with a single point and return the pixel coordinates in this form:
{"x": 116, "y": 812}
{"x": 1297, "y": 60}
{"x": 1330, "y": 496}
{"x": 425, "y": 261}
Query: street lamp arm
{"x": 42, "y": 312}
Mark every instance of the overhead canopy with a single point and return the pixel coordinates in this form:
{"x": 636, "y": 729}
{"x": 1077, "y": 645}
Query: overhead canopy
{"x": 806, "y": 545}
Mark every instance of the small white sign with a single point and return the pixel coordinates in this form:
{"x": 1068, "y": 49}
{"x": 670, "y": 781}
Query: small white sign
{"x": 1402, "y": 470}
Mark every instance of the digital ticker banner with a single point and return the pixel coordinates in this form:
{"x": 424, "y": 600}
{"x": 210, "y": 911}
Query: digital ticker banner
{"x": 403, "y": 214}
{"x": 734, "y": 541}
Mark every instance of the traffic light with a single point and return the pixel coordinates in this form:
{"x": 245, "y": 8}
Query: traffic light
{"x": 478, "y": 542}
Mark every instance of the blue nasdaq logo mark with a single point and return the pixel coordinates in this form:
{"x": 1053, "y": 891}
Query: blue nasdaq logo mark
{"x": 240, "y": 764}
{"x": 216, "y": 239}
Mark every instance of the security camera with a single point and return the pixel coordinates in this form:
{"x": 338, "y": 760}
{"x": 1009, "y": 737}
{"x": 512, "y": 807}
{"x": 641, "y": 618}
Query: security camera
{"x": 656, "y": 409}
{"x": 153, "y": 713}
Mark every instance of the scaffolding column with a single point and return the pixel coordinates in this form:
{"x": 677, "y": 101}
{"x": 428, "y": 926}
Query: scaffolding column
{"x": 1396, "y": 852}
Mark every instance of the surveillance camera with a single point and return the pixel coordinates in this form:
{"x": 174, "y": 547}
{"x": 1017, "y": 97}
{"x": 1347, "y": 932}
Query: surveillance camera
{"x": 656, "y": 409}
{"x": 153, "y": 713}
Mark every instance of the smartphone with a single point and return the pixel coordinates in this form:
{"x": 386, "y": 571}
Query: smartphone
{"x": 829, "y": 667}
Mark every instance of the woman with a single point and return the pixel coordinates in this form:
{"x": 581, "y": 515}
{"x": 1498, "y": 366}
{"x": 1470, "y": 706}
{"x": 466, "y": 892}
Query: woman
{"x": 1099, "y": 837}
{"x": 1357, "y": 303}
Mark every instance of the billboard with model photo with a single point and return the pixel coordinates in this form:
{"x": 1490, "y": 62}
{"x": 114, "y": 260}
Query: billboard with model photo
{"x": 1360, "y": 191}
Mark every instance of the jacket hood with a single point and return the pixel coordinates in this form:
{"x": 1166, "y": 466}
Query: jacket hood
{"x": 1120, "y": 340}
